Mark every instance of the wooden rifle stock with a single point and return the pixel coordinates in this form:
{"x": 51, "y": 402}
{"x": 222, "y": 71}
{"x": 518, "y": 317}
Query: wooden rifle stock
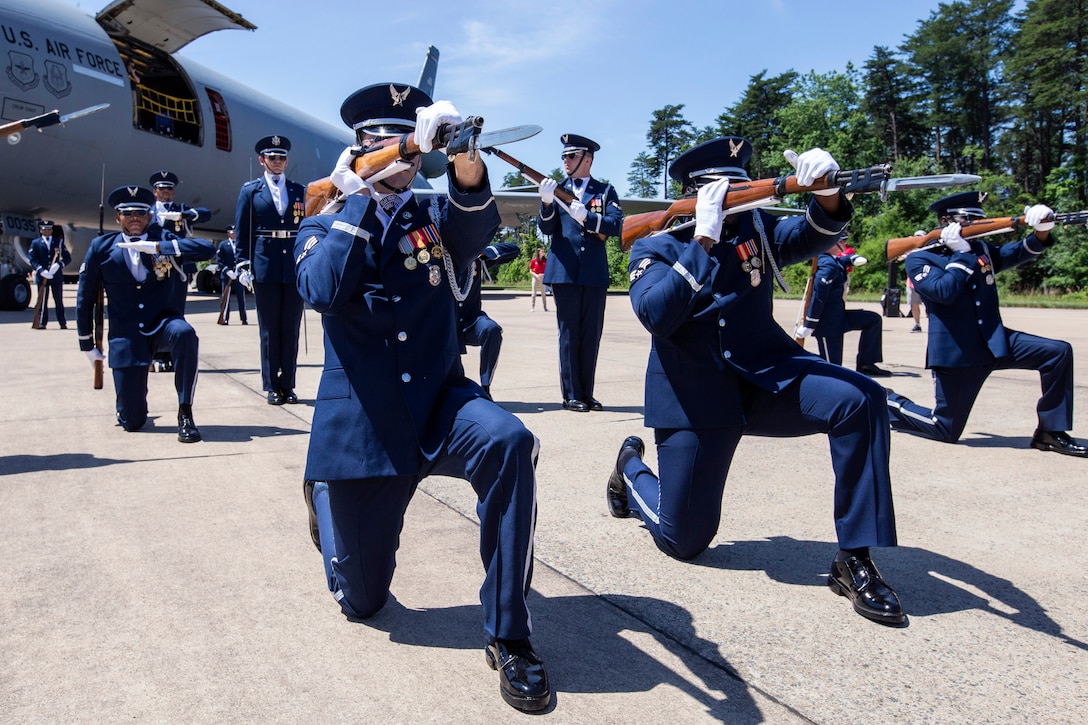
{"x": 321, "y": 192}
{"x": 900, "y": 247}
{"x": 224, "y": 299}
{"x": 805, "y": 299}
{"x": 750, "y": 194}
{"x": 37, "y": 323}
{"x": 373, "y": 159}
{"x": 536, "y": 177}
{"x": 99, "y": 328}
{"x": 46, "y": 119}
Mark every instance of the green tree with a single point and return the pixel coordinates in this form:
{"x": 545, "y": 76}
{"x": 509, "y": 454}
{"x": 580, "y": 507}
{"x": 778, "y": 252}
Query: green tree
{"x": 958, "y": 53}
{"x": 642, "y": 178}
{"x": 1049, "y": 77}
{"x": 755, "y": 118}
{"x": 889, "y": 100}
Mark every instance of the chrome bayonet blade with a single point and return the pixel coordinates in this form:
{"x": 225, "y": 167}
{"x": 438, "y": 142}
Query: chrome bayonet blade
{"x": 84, "y": 112}
{"x": 935, "y": 181}
{"x": 508, "y": 135}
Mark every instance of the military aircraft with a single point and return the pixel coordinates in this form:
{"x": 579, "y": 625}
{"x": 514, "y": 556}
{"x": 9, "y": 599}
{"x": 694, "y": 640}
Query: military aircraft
{"x": 165, "y": 111}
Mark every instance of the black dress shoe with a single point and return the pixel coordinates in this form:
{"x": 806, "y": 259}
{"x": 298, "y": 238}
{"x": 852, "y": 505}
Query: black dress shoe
{"x": 874, "y": 372}
{"x": 187, "y": 430}
{"x": 523, "y": 682}
{"x": 594, "y": 404}
{"x": 275, "y": 397}
{"x": 616, "y": 491}
{"x": 858, "y": 579}
{"x": 221, "y": 322}
{"x": 576, "y": 405}
{"x": 245, "y": 322}
{"x": 289, "y": 397}
{"x": 1059, "y": 442}
{"x": 308, "y": 494}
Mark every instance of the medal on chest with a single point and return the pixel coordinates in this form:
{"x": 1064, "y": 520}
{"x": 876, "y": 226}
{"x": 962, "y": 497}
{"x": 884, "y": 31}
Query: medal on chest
{"x": 750, "y": 261}
{"x": 161, "y": 267}
{"x": 986, "y": 268}
{"x": 298, "y": 210}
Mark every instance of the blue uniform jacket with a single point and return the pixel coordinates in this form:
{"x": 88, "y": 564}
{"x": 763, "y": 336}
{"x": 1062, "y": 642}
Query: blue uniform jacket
{"x": 393, "y": 376}
{"x": 136, "y": 310}
{"x": 711, "y": 328}
{"x": 577, "y": 255}
{"x": 193, "y": 215}
{"x": 41, "y": 253}
{"x": 960, "y": 293}
{"x": 826, "y": 312}
{"x": 273, "y": 259}
{"x": 226, "y": 257}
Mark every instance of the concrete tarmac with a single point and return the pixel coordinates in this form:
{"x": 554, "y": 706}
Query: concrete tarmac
{"x": 145, "y": 580}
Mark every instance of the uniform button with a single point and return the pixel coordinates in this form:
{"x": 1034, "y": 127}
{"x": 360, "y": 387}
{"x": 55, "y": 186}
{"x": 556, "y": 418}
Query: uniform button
{"x": 396, "y": 298}
{"x": 141, "y": 324}
{"x": 406, "y": 378}
{"x": 980, "y": 322}
{"x": 141, "y": 305}
{"x": 717, "y": 295}
{"x": 721, "y": 323}
{"x": 582, "y": 249}
{"x": 977, "y": 303}
{"x": 402, "y": 336}
{"x": 727, "y": 354}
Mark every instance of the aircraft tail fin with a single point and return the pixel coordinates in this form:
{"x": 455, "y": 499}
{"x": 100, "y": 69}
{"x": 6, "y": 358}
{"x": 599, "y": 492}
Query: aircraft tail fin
{"x": 429, "y": 72}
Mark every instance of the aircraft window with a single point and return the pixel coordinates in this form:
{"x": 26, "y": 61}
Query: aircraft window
{"x": 222, "y": 120}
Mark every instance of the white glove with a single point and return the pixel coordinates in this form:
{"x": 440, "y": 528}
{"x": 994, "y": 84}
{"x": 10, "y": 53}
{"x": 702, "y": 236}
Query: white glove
{"x": 578, "y": 211}
{"x": 170, "y": 216}
{"x": 1039, "y": 216}
{"x": 46, "y": 274}
{"x": 547, "y": 190}
{"x": 803, "y": 331}
{"x": 147, "y": 247}
{"x": 344, "y": 178}
{"x": 246, "y": 278}
{"x": 709, "y": 214}
{"x": 951, "y": 238}
{"x": 811, "y": 166}
{"x": 428, "y": 120}
{"x": 859, "y": 260}
{"x": 54, "y": 268}
{"x": 94, "y": 355}
{"x": 232, "y": 274}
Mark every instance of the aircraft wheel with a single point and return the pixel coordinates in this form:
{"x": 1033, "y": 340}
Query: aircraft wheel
{"x": 205, "y": 282}
{"x": 14, "y": 293}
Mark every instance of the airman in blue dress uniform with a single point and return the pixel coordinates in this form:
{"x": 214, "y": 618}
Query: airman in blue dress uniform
{"x": 48, "y": 256}
{"x": 720, "y": 368}
{"x": 577, "y": 269}
{"x": 474, "y": 326}
{"x": 827, "y": 318}
{"x": 269, "y": 211}
{"x": 226, "y": 258}
{"x": 140, "y": 269}
{"x": 394, "y": 404}
{"x": 174, "y": 216}
{"x": 967, "y": 339}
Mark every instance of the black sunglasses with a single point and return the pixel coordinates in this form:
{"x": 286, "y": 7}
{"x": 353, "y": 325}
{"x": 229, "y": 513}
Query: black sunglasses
{"x": 570, "y": 154}
{"x": 133, "y": 212}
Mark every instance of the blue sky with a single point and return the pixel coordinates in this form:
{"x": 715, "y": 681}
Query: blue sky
{"x": 596, "y": 68}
